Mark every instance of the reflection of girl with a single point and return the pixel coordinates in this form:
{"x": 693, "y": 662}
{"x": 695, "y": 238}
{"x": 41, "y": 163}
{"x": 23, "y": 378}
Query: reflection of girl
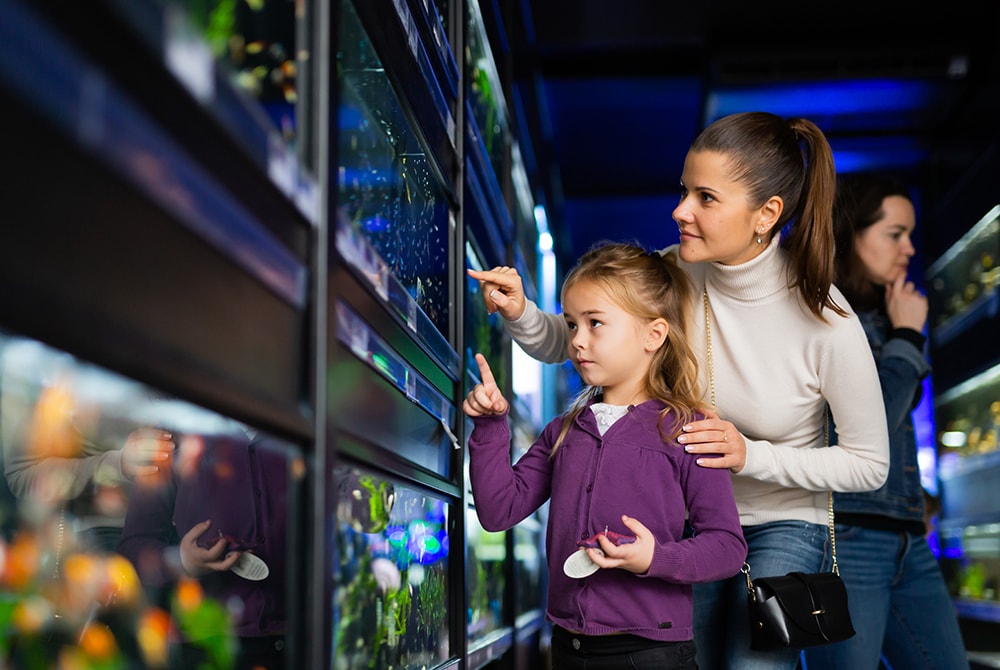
{"x": 898, "y": 598}
{"x": 618, "y": 482}
{"x": 221, "y": 518}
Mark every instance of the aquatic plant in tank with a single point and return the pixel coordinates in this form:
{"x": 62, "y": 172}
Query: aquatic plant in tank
{"x": 391, "y": 576}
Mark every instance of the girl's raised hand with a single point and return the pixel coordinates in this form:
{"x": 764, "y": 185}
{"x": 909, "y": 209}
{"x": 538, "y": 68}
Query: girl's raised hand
{"x": 486, "y": 397}
{"x": 503, "y": 291}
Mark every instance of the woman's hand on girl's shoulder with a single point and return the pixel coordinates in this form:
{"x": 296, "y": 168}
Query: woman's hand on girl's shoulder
{"x": 486, "y": 398}
{"x": 718, "y": 443}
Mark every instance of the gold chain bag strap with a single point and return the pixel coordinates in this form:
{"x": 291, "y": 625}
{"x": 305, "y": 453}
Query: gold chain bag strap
{"x": 797, "y": 610}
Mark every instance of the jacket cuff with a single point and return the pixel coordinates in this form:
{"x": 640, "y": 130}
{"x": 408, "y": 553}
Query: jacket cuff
{"x": 910, "y": 335}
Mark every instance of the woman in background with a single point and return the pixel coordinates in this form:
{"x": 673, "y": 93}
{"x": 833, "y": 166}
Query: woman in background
{"x": 898, "y": 598}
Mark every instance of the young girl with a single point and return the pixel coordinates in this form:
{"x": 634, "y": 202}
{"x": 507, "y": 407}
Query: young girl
{"x": 779, "y": 344}
{"x": 621, "y": 487}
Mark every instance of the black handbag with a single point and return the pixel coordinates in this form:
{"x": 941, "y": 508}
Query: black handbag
{"x": 800, "y": 609}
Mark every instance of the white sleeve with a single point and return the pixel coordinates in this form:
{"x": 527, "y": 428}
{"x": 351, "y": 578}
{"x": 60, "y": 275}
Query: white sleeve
{"x": 542, "y": 335}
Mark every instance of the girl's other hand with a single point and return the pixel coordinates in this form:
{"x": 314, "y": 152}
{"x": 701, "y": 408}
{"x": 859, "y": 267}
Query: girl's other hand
{"x": 634, "y": 557}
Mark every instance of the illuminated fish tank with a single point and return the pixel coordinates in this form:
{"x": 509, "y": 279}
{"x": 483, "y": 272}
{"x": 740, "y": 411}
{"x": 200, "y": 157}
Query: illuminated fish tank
{"x": 391, "y": 201}
{"x": 252, "y": 42}
{"x": 103, "y": 477}
{"x": 391, "y": 577}
{"x": 484, "y": 93}
{"x": 486, "y": 579}
{"x": 484, "y": 333}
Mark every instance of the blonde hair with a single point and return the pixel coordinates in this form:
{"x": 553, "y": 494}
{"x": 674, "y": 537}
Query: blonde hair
{"x": 649, "y": 286}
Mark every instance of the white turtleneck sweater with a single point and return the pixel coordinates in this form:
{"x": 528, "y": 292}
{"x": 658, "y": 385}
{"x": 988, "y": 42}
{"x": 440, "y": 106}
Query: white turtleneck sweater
{"x": 775, "y": 366}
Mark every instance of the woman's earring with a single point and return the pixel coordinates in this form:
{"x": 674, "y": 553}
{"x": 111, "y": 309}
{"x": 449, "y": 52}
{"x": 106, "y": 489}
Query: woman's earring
{"x": 759, "y": 240}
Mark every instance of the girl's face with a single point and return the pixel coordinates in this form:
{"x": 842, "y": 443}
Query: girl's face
{"x": 714, "y": 215}
{"x": 885, "y": 247}
{"x": 609, "y": 347}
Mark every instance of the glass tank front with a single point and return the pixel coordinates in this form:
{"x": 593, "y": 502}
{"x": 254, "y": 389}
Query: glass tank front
{"x": 391, "y": 578}
{"x": 530, "y": 566}
{"x": 484, "y": 333}
{"x": 390, "y": 195}
{"x": 484, "y": 92}
{"x": 486, "y": 579}
{"x": 253, "y": 41}
{"x": 965, "y": 282}
{"x": 138, "y": 529}
{"x": 968, "y": 420}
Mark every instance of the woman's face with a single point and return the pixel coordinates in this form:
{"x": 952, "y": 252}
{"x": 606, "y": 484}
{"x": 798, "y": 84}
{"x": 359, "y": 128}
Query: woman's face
{"x": 714, "y": 215}
{"x": 885, "y": 247}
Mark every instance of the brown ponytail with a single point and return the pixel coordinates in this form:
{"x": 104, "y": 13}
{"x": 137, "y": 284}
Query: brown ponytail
{"x": 793, "y": 160}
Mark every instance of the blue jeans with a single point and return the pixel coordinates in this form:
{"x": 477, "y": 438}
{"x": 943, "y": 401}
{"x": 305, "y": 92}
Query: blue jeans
{"x": 721, "y": 624}
{"x": 899, "y": 605}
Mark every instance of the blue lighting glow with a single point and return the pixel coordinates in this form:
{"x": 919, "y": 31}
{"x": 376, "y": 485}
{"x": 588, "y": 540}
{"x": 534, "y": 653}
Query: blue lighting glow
{"x": 838, "y": 106}
{"x": 819, "y": 100}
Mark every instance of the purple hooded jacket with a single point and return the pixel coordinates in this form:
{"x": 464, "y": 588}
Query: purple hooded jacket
{"x": 591, "y": 483}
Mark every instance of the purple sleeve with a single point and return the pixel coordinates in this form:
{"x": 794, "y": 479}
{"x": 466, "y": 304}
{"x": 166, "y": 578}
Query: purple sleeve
{"x": 506, "y": 494}
{"x": 149, "y": 530}
{"x": 716, "y": 549}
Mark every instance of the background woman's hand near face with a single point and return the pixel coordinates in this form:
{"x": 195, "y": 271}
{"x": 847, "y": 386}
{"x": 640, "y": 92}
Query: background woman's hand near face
{"x": 905, "y": 305}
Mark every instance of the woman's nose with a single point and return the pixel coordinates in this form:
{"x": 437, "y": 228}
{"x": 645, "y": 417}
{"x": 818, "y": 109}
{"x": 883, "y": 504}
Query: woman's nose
{"x": 908, "y": 247}
{"x": 680, "y": 213}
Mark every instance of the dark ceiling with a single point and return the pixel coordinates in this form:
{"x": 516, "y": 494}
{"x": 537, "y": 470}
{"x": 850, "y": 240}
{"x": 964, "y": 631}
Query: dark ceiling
{"x": 607, "y": 96}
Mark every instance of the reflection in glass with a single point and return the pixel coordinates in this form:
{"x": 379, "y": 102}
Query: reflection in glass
{"x": 389, "y": 193}
{"x": 103, "y": 478}
{"x": 391, "y": 591}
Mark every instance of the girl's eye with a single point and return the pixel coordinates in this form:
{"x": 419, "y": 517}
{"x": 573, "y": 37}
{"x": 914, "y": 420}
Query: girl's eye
{"x": 571, "y": 325}
{"x": 594, "y": 323}
{"x": 707, "y": 197}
